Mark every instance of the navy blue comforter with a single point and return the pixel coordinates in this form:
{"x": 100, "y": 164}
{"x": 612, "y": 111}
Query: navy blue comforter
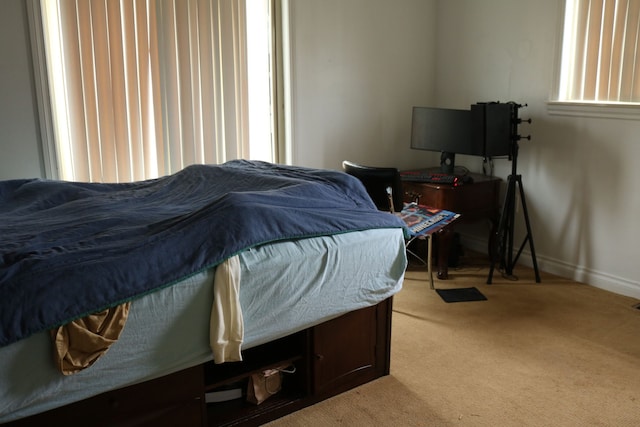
{"x": 71, "y": 249}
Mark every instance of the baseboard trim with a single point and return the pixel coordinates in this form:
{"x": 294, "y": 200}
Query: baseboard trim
{"x": 598, "y": 279}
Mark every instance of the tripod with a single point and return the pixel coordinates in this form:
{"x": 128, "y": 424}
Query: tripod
{"x": 504, "y": 233}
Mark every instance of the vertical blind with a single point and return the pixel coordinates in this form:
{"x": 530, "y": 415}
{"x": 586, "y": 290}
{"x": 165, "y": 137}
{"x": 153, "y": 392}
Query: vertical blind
{"x": 143, "y": 88}
{"x": 601, "y": 58}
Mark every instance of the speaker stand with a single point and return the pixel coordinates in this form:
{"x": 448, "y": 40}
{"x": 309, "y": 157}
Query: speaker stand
{"x": 506, "y": 225}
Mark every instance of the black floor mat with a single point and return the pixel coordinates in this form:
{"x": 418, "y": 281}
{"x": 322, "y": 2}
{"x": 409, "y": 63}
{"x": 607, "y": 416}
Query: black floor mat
{"x": 461, "y": 295}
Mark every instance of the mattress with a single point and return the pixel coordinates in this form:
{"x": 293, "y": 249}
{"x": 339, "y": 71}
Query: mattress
{"x": 285, "y": 287}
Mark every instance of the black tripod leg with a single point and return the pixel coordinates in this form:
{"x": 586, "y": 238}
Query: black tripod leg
{"x": 497, "y": 254}
{"x": 529, "y": 234}
{"x": 504, "y": 225}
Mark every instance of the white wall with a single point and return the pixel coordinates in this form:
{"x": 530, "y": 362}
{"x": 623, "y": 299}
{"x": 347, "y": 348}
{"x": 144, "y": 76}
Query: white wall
{"x": 20, "y": 154}
{"x": 579, "y": 173}
{"x": 358, "y": 67}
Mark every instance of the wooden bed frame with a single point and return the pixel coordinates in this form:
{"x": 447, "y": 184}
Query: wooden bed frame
{"x": 330, "y": 358}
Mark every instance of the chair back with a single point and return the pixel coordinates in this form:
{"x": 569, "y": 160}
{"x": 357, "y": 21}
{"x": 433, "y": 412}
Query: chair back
{"x": 377, "y": 181}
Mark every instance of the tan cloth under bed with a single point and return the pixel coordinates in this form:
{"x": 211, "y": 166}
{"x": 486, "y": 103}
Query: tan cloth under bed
{"x": 78, "y": 344}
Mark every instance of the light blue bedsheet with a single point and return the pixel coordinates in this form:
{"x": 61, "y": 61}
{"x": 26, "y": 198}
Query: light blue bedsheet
{"x": 285, "y": 287}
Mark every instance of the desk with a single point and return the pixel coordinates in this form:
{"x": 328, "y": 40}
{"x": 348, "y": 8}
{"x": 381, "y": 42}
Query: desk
{"x": 473, "y": 201}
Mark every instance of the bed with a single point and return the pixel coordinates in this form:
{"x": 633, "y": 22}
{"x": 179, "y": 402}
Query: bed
{"x": 225, "y": 270}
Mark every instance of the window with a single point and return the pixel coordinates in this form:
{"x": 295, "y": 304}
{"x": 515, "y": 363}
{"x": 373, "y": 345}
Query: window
{"x": 140, "y": 89}
{"x": 600, "y": 52}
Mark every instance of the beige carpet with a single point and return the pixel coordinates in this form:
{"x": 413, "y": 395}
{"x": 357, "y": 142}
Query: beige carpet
{"x": 556, "y": 353}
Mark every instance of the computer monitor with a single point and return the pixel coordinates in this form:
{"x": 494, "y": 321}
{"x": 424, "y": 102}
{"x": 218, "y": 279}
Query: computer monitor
{"x": 448, "y": 131}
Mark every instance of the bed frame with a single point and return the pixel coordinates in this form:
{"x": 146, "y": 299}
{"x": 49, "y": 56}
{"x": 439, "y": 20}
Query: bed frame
{"x": 330, "y": 358}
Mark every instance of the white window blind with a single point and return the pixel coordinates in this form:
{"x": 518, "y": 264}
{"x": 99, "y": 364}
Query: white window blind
{"x": 601, "y": 51}
{"x": 143, "y": 88}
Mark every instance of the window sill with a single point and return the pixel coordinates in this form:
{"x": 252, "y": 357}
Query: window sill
{"x": 625, "y": 111}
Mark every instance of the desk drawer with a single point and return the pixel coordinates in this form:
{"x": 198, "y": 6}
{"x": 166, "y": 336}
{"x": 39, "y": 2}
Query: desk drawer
{"x": 473, "y": 201}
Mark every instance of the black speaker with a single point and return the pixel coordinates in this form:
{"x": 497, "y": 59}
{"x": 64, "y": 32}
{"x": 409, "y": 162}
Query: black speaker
{"x": 499, "y": 129}
{"x": 447, "y": 162}
{"x": 478, "y": 131}
{"x": 492, "y": 126}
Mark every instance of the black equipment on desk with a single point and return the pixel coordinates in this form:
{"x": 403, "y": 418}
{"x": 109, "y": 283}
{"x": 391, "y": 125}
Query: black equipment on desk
{"x": 436, "y": 178}
{"x": 484, "y": 130}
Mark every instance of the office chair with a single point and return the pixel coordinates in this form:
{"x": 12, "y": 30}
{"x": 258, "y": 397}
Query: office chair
{"x": 384, "y": 186}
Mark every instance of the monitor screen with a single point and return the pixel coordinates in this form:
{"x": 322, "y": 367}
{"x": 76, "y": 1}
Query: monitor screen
{"x": 444, "y": 130}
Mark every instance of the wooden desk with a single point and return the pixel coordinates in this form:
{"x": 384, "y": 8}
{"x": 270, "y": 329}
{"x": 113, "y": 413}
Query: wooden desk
{"x": 473, "y": 201}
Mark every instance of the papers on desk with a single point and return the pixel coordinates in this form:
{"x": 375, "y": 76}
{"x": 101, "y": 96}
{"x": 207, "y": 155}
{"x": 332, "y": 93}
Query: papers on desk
{"x": 421, "y": 219}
